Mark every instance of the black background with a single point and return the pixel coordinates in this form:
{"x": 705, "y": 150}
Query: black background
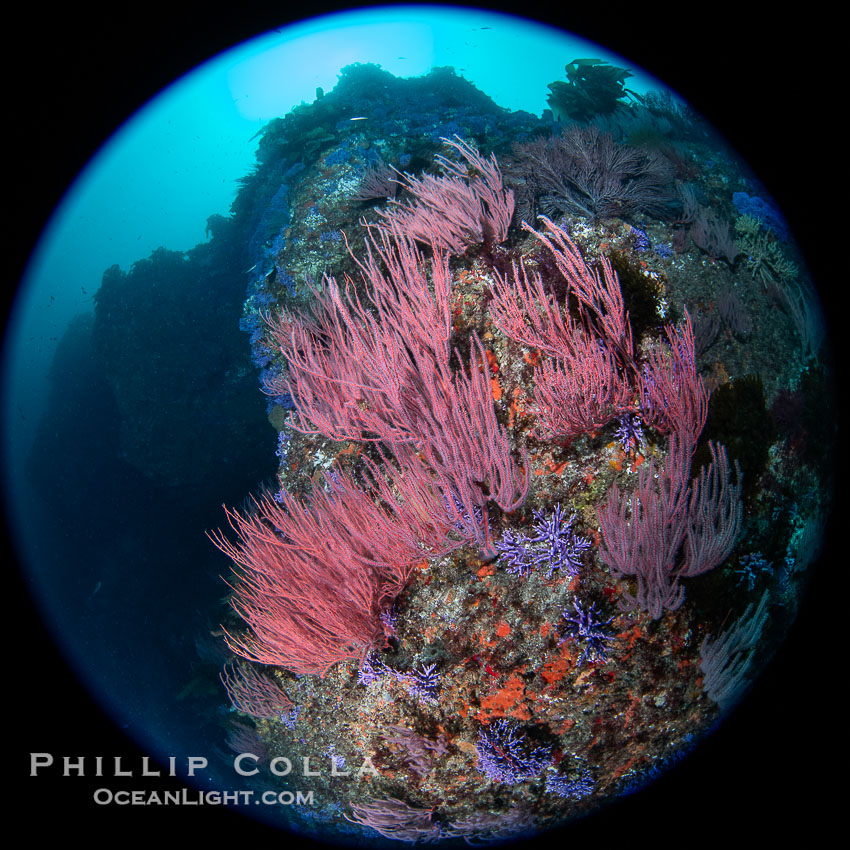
{"x": 768, "y": 83}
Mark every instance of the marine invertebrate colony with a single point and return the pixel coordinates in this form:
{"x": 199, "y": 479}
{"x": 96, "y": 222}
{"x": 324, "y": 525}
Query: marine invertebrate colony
{"x": 505, "y": 754}
{"x": 316, "y": 577}
{"x": 671, "y": 527}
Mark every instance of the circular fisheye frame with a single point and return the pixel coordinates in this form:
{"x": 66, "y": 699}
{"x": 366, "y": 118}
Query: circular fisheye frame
{"x": 419, "y": 426}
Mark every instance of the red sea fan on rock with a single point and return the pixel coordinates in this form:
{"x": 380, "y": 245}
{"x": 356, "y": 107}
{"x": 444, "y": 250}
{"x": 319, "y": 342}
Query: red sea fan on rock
{"x": 309, "y": 598}
{"x": 670, "y": 527}
{"x": 459, "y": 209}
{"x": 316, "y": 575}
{"x": 673, "y": 397}
{"x": 589, "y": 381}
{"x": 383, "y": 374}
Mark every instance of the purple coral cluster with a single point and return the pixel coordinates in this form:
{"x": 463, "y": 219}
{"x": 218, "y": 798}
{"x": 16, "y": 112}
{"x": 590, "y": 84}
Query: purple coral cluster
{"x": 563, "y": 786}
{"x": 641, "y": 242}
{"x": 629, "y": 433}
{"x": 371, "y": 669}
{"x": 506, "y": 755}
{"x": 555, "y": 546}
{"x": 289, "y": 717}
{"x": 588, "y": 630}
{"x": 752, "y": 566}
{"x": 463, "y": 520}
{"x": 423, "y": 684}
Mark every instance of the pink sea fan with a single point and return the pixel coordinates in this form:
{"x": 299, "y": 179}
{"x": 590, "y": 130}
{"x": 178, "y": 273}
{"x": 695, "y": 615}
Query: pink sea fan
{"x": 459, "y": 209}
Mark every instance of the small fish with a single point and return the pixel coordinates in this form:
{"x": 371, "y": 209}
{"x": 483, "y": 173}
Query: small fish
{"x": 359, "y": 118}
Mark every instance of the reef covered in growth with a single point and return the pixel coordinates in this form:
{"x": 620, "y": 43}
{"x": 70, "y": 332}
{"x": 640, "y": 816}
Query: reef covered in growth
{"x": 548, "y": 397}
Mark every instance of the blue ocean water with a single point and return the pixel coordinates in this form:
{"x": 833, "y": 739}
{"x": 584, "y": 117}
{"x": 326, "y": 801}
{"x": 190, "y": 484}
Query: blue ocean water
{"x": 176, "y": 161}
{"x": 155, "y": 184}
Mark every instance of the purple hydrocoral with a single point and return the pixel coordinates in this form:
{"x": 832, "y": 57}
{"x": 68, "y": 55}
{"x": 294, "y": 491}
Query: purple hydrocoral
{"x": 565, "y": 547}
{"x": 555, "y": 545}
{"x": 563, "y": 786}
{"x": 588, "y": 632}
{"x": 506, "y": 755}
{"x": 629, "y": 433}
{"x": 424, "y": 683}
{"x": 290, "y": 717}
{"x": 371, "y": 669}
{"x": 514, "y": 551}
